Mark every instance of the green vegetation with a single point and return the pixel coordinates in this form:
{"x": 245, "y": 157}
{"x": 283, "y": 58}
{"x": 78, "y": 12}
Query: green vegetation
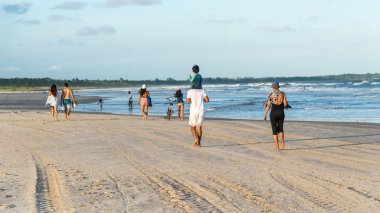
{"x": 18, "y": 84}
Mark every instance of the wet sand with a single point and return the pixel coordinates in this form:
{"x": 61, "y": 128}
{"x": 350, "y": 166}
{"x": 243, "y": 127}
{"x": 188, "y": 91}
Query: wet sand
{"x": 34, "y": 100}
{"x": 115, "y": 163}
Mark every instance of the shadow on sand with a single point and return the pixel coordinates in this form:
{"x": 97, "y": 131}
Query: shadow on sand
{"x": 308, "y": 139}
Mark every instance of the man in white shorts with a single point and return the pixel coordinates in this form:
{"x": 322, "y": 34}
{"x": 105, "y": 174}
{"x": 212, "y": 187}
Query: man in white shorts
{"x": 196, "y": 98}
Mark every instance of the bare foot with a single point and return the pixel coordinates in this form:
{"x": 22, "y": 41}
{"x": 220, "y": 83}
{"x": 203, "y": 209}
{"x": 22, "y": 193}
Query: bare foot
{"x": 195, "y": 142}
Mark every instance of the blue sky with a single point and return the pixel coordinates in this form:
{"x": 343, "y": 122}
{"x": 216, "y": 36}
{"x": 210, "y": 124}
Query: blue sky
{"x": 148, "y": 39}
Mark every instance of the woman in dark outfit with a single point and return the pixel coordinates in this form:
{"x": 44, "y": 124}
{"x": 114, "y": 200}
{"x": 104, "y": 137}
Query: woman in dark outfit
{"x": 277, "y": 103}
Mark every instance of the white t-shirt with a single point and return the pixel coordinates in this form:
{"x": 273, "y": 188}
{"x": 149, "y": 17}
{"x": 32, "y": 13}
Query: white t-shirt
{"x": 197, "y": 96}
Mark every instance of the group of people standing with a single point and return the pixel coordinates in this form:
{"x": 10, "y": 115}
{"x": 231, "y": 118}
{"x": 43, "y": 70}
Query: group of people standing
{"x": 196, "y": 97}
{"x": 67, "y": 101}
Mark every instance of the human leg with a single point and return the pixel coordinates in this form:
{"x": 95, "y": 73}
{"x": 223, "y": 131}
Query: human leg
{"x": 281, "y": 130}
{"x": 179, "y": 110}
{"x": 274, "y": 124}
{"x": 146, "y": 112}
{"x": 195, "y": 135}
{"x": 182, "y": 110}
{"x": 199, "y": 134}
{"x": 67, "y": 105}
{"x": 143, "y": 107}
{"x": 68, "y": 113}
{"x": 55, "y": 113}
{"x": 52, "y": 112}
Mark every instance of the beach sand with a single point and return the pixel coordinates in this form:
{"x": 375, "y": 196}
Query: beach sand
{"x": 116, "y": 163}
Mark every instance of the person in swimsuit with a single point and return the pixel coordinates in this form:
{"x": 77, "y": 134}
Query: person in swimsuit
{"x": 67, "y": 98}
{"x": 53, "y": 102}
{"x": 277, "y": 103}
{"x": 143, "y": 100}
{"x": 180, "y": 104}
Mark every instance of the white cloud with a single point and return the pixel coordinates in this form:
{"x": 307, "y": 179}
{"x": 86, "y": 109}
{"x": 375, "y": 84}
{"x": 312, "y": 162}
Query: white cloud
{"x": 281, "y": 29}
{"x": 59, "y": 18}
{"x": 119, "y": 3}
{"x": 71, "y": 5}
{"x": 92, "y": 31}
{"x": 223, "y": 21}
{"x": 30, "y": 22}
{"x": 55, "y": 68}
{"x": 19, "y": 8}
{"x": 9, "y": 69}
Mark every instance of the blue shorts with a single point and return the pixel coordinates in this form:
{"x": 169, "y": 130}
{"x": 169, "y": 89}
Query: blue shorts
{"x": 67, "y": 103}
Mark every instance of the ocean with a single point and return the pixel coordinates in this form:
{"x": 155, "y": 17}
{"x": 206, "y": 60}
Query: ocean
{"x": 309, "y": 101}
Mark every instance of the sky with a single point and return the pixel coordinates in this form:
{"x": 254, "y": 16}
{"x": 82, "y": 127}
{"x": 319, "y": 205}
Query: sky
{"x": 149, "y": 39}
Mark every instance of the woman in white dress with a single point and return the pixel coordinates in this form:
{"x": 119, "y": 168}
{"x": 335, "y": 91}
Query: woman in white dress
{"x": 52, "y": 102}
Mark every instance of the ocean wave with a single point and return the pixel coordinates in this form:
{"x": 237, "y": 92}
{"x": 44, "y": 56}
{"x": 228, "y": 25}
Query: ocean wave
{"x": 360, "y": 83}
{"x": 323, "y": 108}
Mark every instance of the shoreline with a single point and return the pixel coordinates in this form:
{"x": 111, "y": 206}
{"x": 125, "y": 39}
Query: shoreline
{"x": 36, "y": 101}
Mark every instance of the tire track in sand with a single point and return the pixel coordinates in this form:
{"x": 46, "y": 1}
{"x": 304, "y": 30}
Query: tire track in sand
{"x": 210, "y": 186}
{"x": 49, "y": 189}
{"x": 181, "y": 196}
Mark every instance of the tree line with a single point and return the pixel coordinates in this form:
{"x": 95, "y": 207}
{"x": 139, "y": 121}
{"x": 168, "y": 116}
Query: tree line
{"x": 75, "y": 82}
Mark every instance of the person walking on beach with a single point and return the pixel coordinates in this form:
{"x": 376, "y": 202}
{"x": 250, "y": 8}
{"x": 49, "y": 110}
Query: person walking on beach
{"x": 100, "y": 103}
{"x": 53, "y": 102}
{"x": 143, "y": 101}
{"x": 130, "y": 100}
{"x": 196, "y": 98}
{"x": 67, "y": 98}
{"x": 277, "y": 103}
{"x": 180, "y": 105}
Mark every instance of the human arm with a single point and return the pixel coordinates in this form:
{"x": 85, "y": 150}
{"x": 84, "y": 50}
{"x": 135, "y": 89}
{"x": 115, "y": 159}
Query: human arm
{"x": 267, "y": 107}
{"x": 191, "y": 77}
{"x": 285, "y": 102}
{"x": 72, "y": 95}
{"x": 62, "y": 95}
{"x": 206, "y": 99}
{"x": 188, "y": 97}
{"x": 47, "y": 100}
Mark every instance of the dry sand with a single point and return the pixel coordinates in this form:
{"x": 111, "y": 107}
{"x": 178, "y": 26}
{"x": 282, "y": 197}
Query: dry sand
{"x": 114, "y": 163}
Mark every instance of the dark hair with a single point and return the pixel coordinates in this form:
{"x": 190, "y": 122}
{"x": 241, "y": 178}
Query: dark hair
{"x": 66, "y": 84}
{"x": 178, "y": 93}
{"x": 129, "y": 92}
{"x": 142, "y": 92}
{"x": 196, "y": 68}
{"x": 53, "y": 90}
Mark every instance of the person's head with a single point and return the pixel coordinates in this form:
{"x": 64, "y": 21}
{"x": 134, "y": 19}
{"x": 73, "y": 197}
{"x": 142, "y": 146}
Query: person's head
{"x": 53, "y": 89}
{"x": 129, "y": 92}
{"x": 143, "y": 89}
{"x": 171, "y": 104}
{"x": 196, "y": 69}
{"x": 178, "y": 92}
{"x": 275, "y": 85}
{"x": 66, "y": 84}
